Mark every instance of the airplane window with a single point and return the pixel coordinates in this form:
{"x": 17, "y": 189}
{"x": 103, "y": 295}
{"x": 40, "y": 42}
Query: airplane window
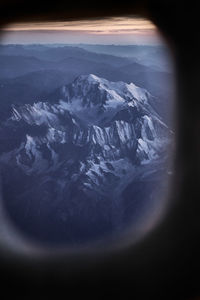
{"x": 86, "y": 132}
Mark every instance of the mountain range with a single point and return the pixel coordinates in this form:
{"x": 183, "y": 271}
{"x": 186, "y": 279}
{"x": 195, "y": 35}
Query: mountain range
{"x": 85, "y": 162}
{"x": 31, "y": 72}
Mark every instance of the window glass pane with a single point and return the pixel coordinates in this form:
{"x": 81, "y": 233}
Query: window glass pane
{"x": 86, "y": 130}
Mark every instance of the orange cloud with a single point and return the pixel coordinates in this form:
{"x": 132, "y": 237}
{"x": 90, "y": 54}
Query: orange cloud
{"x": 128, "y": 25}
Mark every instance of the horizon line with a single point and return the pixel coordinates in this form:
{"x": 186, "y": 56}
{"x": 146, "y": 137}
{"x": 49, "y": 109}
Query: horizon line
{"x": 88, "y": 44}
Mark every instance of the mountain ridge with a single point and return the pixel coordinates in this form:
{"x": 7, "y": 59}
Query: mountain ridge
{"x": 87, "y": 145}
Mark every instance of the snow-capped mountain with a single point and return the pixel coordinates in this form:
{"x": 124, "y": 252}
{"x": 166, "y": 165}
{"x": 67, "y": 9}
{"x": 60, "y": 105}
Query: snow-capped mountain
{"x": 73, "y": 156}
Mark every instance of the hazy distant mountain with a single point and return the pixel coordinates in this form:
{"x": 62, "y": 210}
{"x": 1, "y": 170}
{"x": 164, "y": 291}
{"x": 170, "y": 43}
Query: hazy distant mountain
{"x": 160, "y": 84}
{"x": 18, "y": 65}
{"x": 155, "y": 56}
{"x": 48, "y": 53}
{"x": 14, "y": 66}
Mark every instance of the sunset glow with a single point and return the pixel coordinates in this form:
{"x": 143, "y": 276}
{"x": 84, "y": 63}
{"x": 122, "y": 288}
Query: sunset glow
{"x": 105, "y": 26}
{"x": 113, "y": 30}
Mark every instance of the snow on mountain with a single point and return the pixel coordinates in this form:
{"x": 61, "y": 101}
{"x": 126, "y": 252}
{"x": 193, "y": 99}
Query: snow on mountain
{"x": 88, "y": 96}
{"x": 90, "y": 139}
{"x": 87, "y": 112}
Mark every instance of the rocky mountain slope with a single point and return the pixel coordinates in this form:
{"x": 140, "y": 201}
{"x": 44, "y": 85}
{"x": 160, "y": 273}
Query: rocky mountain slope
{"x": 71, "y": 160}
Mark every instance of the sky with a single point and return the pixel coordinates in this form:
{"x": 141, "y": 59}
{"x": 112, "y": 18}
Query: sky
{"x": 120, "y": 31}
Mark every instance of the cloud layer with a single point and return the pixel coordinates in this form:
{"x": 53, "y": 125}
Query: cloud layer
{"x": 128, "y": 30}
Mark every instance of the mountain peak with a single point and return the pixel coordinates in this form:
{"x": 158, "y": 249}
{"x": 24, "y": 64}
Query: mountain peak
{"x": 97, "y": 89}
{"x": 93, "y": 98}
{"x": 90, "y": 78}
